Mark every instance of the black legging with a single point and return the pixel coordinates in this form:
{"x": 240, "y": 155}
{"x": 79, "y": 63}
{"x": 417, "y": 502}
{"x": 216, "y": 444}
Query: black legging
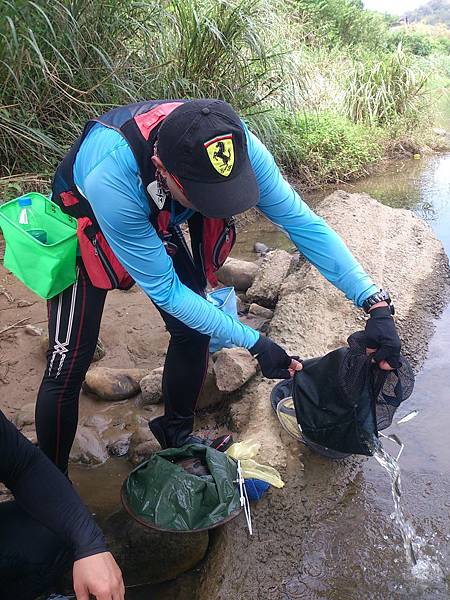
{"x": 32, "y": 558}
{"x": 74, "y": 324}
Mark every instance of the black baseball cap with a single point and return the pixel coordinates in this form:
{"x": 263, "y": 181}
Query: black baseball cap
{"x": 203, "y": 143}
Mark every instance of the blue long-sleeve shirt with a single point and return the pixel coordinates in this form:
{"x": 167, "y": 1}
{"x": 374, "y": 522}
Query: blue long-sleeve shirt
{"x": 106, "y": 173}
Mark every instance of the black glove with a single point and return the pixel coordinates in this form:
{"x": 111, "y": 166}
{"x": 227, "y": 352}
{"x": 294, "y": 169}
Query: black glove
{"x": 272, "y": 359}
{"x": 382, "y": 334}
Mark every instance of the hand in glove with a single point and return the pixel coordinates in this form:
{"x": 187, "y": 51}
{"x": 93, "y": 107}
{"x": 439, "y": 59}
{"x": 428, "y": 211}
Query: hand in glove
{"x": 382, "y": 338}
{"x": 275, "y": 363}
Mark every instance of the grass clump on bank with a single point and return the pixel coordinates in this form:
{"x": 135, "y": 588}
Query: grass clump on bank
{"x": 324, "y": 147}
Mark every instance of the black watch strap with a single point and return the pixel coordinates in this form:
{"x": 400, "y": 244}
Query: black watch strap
{"x": 380, "y": 296}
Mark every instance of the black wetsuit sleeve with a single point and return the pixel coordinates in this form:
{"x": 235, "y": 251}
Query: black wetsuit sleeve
{"x": 45, "y": 493}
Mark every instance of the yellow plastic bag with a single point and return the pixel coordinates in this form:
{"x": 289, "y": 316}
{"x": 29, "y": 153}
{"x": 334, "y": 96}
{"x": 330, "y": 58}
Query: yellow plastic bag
{"x": 245, "y": 452}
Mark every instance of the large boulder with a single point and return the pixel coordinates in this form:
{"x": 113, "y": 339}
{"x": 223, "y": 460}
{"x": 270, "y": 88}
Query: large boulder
{"x": 113, "y": 384}
{"x": 271, "y": 274}
{"x": 312, "y": 318}
{"x": 237, "y": 273}
{"x": 149, "y": 556}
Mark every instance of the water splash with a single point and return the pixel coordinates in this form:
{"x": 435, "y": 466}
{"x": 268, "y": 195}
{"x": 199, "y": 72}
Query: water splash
{"x": 423, "y": 566}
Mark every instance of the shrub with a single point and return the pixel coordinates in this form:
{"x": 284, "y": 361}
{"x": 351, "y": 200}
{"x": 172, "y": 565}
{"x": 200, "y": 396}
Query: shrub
{"x": 412, "y": 41}
{"x": 343, "y": 22}
{"x": 321, "y": 148}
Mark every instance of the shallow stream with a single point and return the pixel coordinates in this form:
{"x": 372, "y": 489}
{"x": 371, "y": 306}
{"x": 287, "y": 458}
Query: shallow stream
{"x": 356, "y": 552}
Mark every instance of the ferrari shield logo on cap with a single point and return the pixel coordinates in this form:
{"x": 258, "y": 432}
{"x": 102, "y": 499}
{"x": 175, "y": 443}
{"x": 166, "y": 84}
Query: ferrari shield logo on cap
{"x": 221, "y": 153}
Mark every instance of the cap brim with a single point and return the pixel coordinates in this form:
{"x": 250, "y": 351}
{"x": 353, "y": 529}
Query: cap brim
{"x": 225, "y": 198}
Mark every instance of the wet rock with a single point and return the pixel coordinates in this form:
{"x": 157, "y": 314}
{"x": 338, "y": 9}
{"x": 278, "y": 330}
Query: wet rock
{"x": 113, "y": 384}
{"x": 98, "y": 422}
{"x": 260, "y": 248}
{"x": 25, "y": 416}
{"x": 88, "y": 447}
{"x": 210, "y": 394}
{"x": 260, "y": 311}
{"x": 149, "y": 556}
{"x": 233, "y": 367}
{"x": 237, "y": 273}
{"x": 143, "y": 451}
{"x": 142, "y": 445}
{"x": 271, "y": 274}
{"x": 151, "y": 387}
{"x": 119, "y": 444}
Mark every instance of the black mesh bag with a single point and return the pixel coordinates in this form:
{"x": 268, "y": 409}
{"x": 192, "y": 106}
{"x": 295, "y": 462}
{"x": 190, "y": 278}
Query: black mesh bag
{"x": 343, "y": 399}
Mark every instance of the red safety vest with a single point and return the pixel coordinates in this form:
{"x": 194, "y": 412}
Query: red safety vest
{"x": 211, "y": 239}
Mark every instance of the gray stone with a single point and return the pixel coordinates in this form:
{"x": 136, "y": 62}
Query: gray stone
{"x": 99, "y": 352}
{"x": 260, "y": 311}
{"x": 149, "y": 556}
{"x": 271, "y": 274}
{"x": 88, "y": 447}
{"x": 210, "y": 394}
{"x": 119, "y": 445}
{"x": 31, "y": 436}
{"x": 255, "y": 322}
{"x": 33, "y": 330}
{"x": 25, "y": 416}
{"x": 151, "y": 387}
{"x": 113, "y": 384}
{"x": 5, "y": 494}
{"x": 237, "y": 273}
{"x": 439, "y": 131}
{"x": 260, "y": 248}
{"x": 142, "y": 445}
{"x": 98, "y": 422}
{"x": 233, "y": 367}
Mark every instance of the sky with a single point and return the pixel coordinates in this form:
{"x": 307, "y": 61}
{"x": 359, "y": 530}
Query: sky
{"x": 396, "y": 7}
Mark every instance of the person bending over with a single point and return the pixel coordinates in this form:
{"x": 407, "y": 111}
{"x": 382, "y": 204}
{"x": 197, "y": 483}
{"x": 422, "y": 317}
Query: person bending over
{"x": 131, "y": 180}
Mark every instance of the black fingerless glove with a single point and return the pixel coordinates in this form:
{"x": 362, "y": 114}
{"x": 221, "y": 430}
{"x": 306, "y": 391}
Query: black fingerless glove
{"x": 382, "y": 335}
{"x": 272, "y": 359}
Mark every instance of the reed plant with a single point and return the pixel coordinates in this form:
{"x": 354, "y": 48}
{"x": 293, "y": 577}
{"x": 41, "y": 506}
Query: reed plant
{"x": 64, "y": 61}
{"x": 381, "y": 92}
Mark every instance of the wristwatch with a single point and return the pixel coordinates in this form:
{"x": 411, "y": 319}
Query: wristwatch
{"x": 380, "y": 296}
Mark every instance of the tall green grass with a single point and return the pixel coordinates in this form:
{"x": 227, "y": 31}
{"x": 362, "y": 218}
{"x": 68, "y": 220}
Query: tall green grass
{"x": 63, "y": 61}
{"x": 383, "y": 91}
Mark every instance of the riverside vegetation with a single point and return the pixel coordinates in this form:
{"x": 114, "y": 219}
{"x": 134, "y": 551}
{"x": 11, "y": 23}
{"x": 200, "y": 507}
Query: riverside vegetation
{"x": 329, "y": 86}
